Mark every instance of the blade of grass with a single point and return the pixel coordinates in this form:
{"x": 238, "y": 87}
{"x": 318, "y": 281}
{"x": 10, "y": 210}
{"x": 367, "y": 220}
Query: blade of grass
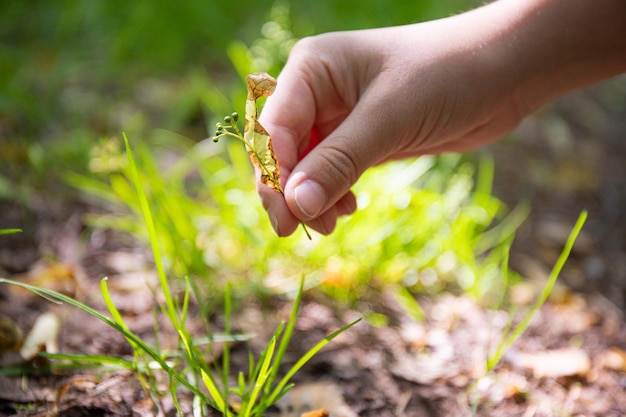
{"x": 227, "y": 330}
{"x": 147, "y": 377}
{"x": 152, "y": 235}
{"x": 78, "y": 362}
{"x": 104, "y": 289}
{"x": 506, "y": 251}
{"x": 503, "y": 230}
{"x": 507, "y": 341}
{"x": 187, "y": 296}
{"x": 138, "y": 342}
{"x": 97, "y": 359}
{"x": 286, "y": 337}
{"x": 262, "y": 377}
{"x": 278, "y": 391}
{"x": 214, "y": 391}
{"x": 255, "y": 370}
{"x": 9, "y": 231}
{"x": 408, "y": 303}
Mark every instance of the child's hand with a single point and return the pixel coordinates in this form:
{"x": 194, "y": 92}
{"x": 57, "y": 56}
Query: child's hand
{"x": 446, "y": 85}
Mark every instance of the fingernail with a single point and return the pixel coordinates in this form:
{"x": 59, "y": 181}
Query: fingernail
{"x": 273, "y": 220}
{"x": 310, "y": 198}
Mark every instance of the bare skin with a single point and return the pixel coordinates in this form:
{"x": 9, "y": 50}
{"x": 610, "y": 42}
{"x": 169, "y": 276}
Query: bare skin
{"x": 448, "y": 85}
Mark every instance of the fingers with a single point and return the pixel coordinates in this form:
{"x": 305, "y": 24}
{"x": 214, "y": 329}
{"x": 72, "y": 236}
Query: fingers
{"x": 304, "y": 96}
{"x": 285, "y": 223}
{"x": 374, "y": 96}
{"x": 318, "y": 93}
{"x": 288, "y": 130}
{"x": 324, "y": 177}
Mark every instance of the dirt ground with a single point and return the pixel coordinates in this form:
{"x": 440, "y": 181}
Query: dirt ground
{"x": 571, "y": 361}
{"x": 568, "y": 157}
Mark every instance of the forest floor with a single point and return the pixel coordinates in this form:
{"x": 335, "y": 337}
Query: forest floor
{"x": 570, "y": 362}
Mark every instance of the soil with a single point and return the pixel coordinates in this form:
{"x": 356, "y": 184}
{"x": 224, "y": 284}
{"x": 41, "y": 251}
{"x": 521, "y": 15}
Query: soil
{"x": 570, "y": 362}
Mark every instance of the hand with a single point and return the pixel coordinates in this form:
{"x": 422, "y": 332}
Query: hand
{"x": 382, "y": 94}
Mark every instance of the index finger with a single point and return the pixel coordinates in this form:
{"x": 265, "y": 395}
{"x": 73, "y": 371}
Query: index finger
{"x": 288, "y": 116}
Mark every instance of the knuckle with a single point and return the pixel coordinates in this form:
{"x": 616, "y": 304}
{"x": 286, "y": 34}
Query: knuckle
{"x": 317, "y": 46}
{"x": 306, "y": 46}
{"x": 343, "y": 164}
{"x": 309, "y": 45}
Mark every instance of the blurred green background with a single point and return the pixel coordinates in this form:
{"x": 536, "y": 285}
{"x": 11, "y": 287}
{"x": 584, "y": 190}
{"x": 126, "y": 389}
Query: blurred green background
{"x": 76, "y": 74}
{"x": 71, "y": 66}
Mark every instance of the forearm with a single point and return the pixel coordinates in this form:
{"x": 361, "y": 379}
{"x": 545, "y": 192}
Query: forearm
{"x": 556, "y": 46}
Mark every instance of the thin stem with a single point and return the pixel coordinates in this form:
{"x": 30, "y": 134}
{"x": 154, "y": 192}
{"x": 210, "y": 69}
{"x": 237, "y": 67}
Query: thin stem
{"x": 264, "y": 168}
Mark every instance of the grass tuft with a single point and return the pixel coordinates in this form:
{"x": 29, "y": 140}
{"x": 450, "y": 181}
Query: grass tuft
{"x": 513, "y": 334}
{"x": 184, "y": 366}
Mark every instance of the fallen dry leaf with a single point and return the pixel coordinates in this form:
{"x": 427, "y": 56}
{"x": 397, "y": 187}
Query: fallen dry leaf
{"x": 258, "y": 141}
{"x": 553, "y": 363}
{"x": 42, "y": 337}
{"x": 614, "y": 359}
{"x": 316, "y": 413}
{"x": 89, "y": 395}
{"x": 317, "y": 399}
{"x": 56, "y": 276}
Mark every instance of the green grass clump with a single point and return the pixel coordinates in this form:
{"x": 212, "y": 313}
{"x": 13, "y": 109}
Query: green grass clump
{"x": 420, "y": 224}
{"x": 186, "y": 365}
{"x": 257, "y": 390}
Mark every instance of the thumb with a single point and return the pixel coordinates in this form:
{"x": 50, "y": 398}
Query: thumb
{"x": 330, "y": 169}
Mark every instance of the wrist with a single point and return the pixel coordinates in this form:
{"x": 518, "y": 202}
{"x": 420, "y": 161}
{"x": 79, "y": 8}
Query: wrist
{"x": 552, "y": 47}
